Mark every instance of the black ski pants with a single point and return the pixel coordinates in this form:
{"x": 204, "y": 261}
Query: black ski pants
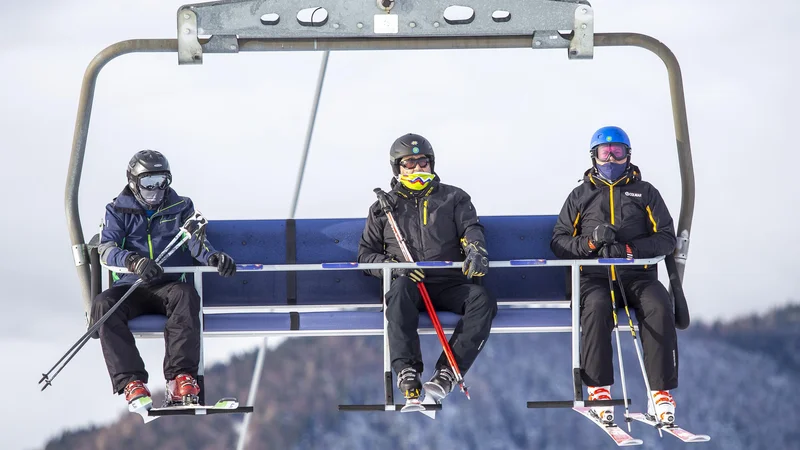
{"x": 652, "y": 305}
{"x": 178, "y": 301}
{"x": 455, "y": 294}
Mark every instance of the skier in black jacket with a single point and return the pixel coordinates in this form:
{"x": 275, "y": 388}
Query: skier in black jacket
{"x": 614, "y": 214}
{"x": 439, "y": 223}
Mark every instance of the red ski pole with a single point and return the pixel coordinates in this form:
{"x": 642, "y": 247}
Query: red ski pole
{"x": 440, "y": 332}
{"x": 387, "y": 209}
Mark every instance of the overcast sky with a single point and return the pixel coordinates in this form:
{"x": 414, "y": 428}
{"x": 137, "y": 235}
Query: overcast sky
{"x": 516, "y": 140}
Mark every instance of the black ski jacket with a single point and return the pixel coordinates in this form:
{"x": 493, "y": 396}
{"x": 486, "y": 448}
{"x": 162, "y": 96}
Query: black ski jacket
{"x": 433, "y": 222}
{"x": 634, "y": 206}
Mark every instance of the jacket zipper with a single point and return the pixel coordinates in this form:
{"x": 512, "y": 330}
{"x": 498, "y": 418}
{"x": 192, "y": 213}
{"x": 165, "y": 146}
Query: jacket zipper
{"x": 421, "y": 239}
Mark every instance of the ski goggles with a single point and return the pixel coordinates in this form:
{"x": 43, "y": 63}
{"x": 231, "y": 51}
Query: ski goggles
{"x": 411, "y": 163}
{"x": 156, "y": 181}
{"x": 606, "y": 152}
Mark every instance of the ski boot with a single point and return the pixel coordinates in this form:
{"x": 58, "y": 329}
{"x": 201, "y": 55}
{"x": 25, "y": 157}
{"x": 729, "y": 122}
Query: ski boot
{"x": 182, "y": 391}
{"x": 410, "y": 385}
{"x": 665, "y": 407}
{"x": 440, "y": 384}
{"x": 605, "y": 414}
{"x": 135, "y": 390}
{"x": 139, "y": 401}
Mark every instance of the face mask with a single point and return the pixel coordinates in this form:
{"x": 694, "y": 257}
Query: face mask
{"x": 153, "y": 197}
{"x": 612, "y": 171}
{"x": 416, "y": 181}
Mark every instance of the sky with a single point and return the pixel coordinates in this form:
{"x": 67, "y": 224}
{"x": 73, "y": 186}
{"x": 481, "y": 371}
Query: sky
{"x": 515, "y": 138}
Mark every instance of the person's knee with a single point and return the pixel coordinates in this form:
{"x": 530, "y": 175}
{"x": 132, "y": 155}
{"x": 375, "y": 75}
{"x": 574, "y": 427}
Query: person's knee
{"x": 101, "y": 304}
{"x": 185, "y": 294}
{"x": 597, "y": 307}
{"x": 402, "y": 285}
{"x": 403, "y": 295}
{"x": 657, "y": 304}
{"x": 483, "y": 301}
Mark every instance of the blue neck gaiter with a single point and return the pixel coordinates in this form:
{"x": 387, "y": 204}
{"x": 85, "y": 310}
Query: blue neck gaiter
{"x": 612, "y": 171}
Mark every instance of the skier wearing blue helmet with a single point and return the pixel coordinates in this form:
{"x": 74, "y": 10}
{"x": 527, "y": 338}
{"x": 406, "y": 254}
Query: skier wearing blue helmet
{"x": 615, "y": 214}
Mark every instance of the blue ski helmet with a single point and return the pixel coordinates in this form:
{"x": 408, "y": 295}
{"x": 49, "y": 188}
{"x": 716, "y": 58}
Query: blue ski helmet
{"x": 609, "y": 134}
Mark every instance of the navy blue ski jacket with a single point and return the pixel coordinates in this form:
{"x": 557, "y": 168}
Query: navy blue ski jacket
{"x": 126, "y": 229}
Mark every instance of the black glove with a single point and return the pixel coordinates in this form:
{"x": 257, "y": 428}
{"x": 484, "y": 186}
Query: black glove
{"x": 604, "y": 234}
{"x": 147, "y": 269}
{"x": 223, "y": 262}
{"x": 618, "y": 250}
{"x": 476, "y": 263}
{"x": 416, "y": 275}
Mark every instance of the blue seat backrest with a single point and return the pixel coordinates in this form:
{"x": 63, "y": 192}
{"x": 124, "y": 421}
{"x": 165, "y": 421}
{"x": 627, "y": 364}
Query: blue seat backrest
{"x": 247, "y": 241}
{"x": 523, "y": 237}
{"x": 313, "y": 241}
{"x": 333, "y": 240}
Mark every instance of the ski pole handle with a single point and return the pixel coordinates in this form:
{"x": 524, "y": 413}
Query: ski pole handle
{"x": 385, "y": 206}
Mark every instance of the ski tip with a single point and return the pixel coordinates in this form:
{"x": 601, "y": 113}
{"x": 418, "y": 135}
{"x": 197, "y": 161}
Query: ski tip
{"x": 412, "y": 408}
{"x": 227, "y": 403}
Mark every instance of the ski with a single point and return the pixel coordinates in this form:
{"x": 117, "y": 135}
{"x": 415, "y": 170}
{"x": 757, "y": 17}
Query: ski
{"x": 223, "y": 406}
{"x": 616, "y": 433}
{"x": 417, "y": 405}
{"x": 142, "y": 406}
{"x": 674, "y": 430}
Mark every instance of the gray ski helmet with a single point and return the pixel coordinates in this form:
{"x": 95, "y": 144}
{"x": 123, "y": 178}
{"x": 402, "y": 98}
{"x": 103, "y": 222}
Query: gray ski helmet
{"x": 407, "y": 145}
{"x": 146, "y": 162}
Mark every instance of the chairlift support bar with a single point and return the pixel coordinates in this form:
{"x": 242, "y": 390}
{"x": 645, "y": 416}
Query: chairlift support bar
{"x": 364, "y": 24}
{"x": 533, "y": 24}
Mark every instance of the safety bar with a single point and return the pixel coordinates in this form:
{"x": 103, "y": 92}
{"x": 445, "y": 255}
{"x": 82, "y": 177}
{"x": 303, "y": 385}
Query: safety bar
{"x": 517, "y": 263}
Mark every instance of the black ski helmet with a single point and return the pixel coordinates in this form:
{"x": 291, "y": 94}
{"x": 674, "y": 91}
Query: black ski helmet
{"x": 407, "y": 145}
{"x": 146, "y": 162}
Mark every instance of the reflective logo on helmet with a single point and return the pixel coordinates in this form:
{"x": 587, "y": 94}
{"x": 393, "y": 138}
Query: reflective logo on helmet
{"x": 413, "y": 142}
{"x": 608, "y": 138}
{"x": 156, "y": 165}
{"x": 415, "y": 150}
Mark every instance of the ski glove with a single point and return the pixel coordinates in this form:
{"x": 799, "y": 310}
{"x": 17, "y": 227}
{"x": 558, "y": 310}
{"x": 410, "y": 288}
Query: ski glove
{"x": 604, "y": 234}
{"x": 617, "y": 250}
{"x": 223, "y": 262}
{"x": 476, "y": 264}
{"x": 147, "y": 269}
{"x": 415, "y": 275}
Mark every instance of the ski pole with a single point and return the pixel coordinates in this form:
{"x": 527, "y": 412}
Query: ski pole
{"x": 194, "y": 225}
{"x": 639, "y": 355}
{"x": 619, "y": 348}
{"x": 387, "y": 209}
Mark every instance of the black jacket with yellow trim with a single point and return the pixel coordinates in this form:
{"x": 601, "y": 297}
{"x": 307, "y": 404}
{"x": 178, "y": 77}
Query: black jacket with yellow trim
{"x": 633, "y": 206}
{"x": 435, "y": 223}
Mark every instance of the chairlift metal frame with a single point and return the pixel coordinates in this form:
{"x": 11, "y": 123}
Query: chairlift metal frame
{"x": 234, "y": 26}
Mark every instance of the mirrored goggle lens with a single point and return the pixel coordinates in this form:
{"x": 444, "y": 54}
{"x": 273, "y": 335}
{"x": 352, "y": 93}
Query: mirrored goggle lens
{"x": 152, "y": 182}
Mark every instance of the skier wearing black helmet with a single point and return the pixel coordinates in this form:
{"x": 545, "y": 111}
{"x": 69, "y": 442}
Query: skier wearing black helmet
{"x": 438, "y": 223}
{"x": 615, "y": 214}
{"x": 139, "y": 223}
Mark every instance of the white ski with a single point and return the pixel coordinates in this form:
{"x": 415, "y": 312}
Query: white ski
{"x": 674, "y": 430}
{"x": 616, "y": 433}
{"x": 142, "y": 406}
